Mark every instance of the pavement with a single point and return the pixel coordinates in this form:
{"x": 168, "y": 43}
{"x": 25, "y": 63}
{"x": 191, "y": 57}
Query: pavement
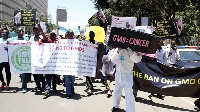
{"x": 14, "y": 100}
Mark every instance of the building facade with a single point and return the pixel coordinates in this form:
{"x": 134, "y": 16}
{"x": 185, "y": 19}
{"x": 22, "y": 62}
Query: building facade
{"x": 7, "y": 7}
{"x": 61, "y": 15}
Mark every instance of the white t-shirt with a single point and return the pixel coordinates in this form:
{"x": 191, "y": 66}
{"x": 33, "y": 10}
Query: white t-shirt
{"x": 161, "y": 55}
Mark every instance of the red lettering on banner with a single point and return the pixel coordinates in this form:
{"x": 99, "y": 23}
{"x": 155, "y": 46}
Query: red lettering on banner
{"x": 137, "y": 41}
{"x": 132, "y": 41}
{"x": 114, "y": 37}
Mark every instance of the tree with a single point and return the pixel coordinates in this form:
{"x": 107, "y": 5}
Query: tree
{"x": 156, "y": 10}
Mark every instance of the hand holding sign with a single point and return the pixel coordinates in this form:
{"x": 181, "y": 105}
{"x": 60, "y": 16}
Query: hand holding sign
{"x": 178, "y": 25}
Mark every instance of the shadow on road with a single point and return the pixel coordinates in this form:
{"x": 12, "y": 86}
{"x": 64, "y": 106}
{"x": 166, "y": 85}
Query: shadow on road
{"x": 149, "y": 102}
{"x": 11, "y": 90}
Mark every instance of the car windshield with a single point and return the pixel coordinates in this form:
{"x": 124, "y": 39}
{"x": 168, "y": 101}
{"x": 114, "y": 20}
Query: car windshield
{"x": 189, "y": 55}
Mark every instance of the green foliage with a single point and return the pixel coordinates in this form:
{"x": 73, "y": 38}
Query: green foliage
{"x": 156, "y": 10}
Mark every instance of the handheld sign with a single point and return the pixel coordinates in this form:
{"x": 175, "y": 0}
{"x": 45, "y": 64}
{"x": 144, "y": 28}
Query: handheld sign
{"x": 137, "y": 41}
{"x": 24, "y": 18}
{"x": 170, "y": 28}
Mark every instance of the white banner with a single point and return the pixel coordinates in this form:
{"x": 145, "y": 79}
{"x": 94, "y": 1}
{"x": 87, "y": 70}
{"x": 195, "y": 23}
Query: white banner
{"x": 66, "y": 57}
{"x": 124, "y": 22}
{"x": 19, "y": 56}
{"x": 4, "y": 53}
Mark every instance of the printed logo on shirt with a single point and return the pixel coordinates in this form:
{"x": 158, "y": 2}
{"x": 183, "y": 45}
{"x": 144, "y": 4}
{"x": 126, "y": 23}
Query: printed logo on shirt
{"x": 122, "y": 58}
{"x": 21, "y": 58}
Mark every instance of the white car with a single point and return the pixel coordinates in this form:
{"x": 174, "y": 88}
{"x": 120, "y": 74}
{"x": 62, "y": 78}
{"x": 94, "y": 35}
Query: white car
{"x": 189, "y": 54}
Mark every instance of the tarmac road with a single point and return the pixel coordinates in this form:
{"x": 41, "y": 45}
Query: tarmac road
{"x": 33, "y": 101}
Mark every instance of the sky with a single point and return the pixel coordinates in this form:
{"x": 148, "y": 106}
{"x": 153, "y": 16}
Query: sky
{"x": 78, "y": 11}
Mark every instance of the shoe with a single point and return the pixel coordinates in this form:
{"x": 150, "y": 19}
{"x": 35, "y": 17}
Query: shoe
{"x": 109, "y": 93}
{"x": 46, "y": 94}
{"x": 7, "y": 88}
{"x": 89, "y": 92}
{"x": 24, "y": 91}
{"x": 68, "y": 96}
{"x": 2, "y": 86}
{"x": 114, "y": 109}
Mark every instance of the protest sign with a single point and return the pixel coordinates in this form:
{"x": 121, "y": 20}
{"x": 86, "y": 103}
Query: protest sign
{"x": 66, "y": 57}
{"x": 4, "y": 53}
{"x": 24, "y": 18}
{"x": 124, "y": 22}
{"x": 43, "y": 26}
{"x": 98, "y": 19}
{"x": 19, "y": 56}
{"x": 157, "y": 78}
{"x": 99, "y": 33}
{"x": 137, "y": 41}
{"x": 64, "y": 26}
{"x": 170, "y": 28}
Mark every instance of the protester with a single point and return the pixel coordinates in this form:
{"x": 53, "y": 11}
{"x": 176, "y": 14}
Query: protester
{"x": 37, "y": 37}
{"x": 69, "y": 79}
{"x": 161, "y": 56}
{"x": 124, "y": 60}
{"x": 173, "y": 54}
{"x": 25, "y": 77}
{"x": 108, "y": 71}
{"x": 89, "y": 84}
{"x": 49, "y": 77}
{"x": 38, "y": 77}
{"x": 5, "y": 36}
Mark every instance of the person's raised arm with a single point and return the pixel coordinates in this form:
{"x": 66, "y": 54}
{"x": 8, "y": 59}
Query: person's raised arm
{"x": 43, "y": 35}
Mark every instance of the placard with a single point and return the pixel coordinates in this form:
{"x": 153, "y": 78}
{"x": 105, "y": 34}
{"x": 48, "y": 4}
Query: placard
{"x": 170, "y": 28}
{"x": 137, "y": 41}
{"x": 124, "y": 22}
{"x": 24, "y": 18}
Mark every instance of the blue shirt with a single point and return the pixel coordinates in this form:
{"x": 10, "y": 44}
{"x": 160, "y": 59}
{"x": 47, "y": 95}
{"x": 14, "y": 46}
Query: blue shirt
{"x": 16, "y": 38}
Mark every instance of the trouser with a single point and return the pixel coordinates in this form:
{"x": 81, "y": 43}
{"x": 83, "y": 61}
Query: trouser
{"x": 24, "y": 78}
{"x": 129, "y": 97}
{"x": 135, "y": 91}
{"x": 50, "y": 77}
{"x": 39, "y": 78}
{"x": 7, "y": 70}
{"x": 29, "y": 77}
{"x": 108, "y": 84}
{"x": 108, "y": 81}
{"x": 69, "y": 83}
{"x": 89, "y": 82}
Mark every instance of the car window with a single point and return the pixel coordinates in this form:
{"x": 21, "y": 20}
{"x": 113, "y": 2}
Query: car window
{"x": 189, "y": 55}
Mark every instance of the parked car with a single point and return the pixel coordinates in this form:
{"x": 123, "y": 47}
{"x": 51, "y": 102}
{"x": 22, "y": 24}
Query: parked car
{"x": 189, "y": 58}
{"x": 191, "y": 55}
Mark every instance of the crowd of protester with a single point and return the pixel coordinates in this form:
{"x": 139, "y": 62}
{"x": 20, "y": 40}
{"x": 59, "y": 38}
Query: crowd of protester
{"x": 114, "y": 61}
